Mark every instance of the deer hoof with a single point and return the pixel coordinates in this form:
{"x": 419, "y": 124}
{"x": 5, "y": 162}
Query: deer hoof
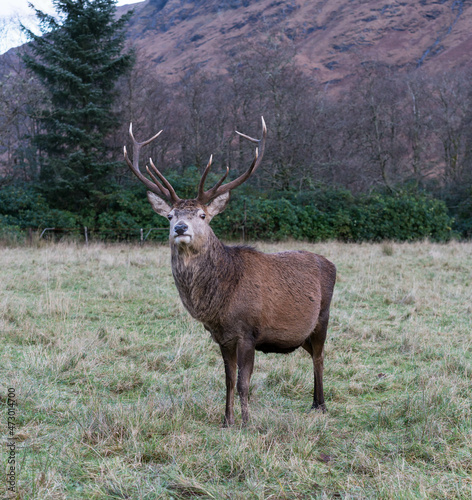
{"x": 318, "y": 407}
{"x": 227, "y": 423}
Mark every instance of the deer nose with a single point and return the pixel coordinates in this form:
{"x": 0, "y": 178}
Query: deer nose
{"x": 180, "y": 228}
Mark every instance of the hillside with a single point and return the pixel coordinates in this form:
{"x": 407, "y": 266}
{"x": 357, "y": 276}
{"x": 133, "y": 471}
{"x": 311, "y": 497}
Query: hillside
{"x": 332, "y": 37}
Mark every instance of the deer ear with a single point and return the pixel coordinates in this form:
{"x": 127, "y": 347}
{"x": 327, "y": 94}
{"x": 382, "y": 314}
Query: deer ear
{"x": 218, "y": 204}
{"x": 158, "y": 205}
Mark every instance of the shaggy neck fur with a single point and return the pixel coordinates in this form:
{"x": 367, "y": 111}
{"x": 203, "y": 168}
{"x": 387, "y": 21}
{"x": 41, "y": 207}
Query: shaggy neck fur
{"x": 206, "y": 277}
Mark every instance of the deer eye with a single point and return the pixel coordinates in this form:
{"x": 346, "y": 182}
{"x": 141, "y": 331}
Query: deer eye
{"x": 202, "y": 216}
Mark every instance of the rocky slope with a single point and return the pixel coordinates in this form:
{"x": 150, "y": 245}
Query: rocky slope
{"x": 332, "y": 37}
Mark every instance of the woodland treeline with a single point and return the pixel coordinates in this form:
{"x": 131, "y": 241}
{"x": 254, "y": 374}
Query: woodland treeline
{"x": 387, "y": 156}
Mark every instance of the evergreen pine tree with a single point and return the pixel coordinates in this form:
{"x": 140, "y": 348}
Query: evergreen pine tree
{"x": 78, "y": 59}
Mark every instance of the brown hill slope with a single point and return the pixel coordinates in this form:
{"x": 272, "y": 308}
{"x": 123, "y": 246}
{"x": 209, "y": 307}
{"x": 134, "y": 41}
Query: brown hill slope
{"x": 332, "y": 37}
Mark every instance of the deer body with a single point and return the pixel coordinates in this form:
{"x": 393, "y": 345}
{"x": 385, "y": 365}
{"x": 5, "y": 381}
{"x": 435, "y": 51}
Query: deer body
{"x": 271, "y": 296}
{"x": 246, "y": 299}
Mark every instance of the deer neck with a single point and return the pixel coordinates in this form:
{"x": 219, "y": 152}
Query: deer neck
{"x": 206, "y": 278}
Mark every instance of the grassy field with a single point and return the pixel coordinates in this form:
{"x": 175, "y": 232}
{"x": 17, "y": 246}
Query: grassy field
{"x": 121, "y": 394}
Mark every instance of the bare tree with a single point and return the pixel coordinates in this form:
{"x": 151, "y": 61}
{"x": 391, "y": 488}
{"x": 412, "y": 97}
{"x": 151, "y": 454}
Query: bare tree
{"x": 375, "y": 127}
{"x": 449, "y": 114}
{"x": 266, "y": 79}
{"x": 385, "y": 129}
{"x": 203, "y": 103}
{"x": 146, "y": 100}
{"x": 20, "y": 96}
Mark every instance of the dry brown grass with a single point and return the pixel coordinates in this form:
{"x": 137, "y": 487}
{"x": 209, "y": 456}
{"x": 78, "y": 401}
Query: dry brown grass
{"x": 121, "y": 394}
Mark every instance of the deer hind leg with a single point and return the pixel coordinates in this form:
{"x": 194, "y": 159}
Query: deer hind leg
{"x": 229, "y": 357}
{"x": 246, "y": 352}
{"x": 315, "y": 346}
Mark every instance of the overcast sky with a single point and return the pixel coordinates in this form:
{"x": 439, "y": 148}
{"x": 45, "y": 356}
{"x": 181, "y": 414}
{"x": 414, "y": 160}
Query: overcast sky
{"x": 14, "y": 11}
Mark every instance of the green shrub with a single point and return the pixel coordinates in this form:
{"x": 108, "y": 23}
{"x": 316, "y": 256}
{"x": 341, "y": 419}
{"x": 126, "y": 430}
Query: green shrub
{"x": 402, "y": 217}
{"x": 22, "y": 207}
{"x": 321, "y": 214}
{"x": 463, "y": 215}
{"x": 11, "y": 235}
{"x": 123, "y": 214}
{"x": 260, "y": 218}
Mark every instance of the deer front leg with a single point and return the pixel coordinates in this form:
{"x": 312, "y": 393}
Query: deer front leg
{"x": 246, "y": 353}
{"x": 229, "y": 357}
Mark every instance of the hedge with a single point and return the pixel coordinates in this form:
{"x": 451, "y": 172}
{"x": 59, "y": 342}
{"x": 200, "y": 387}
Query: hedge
{"x": 399, "y": 217}
{"x": 317, "y": 215}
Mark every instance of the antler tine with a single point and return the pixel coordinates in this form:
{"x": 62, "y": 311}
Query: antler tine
{"x": 201, "y": 184}
{"x": 201, "y": 194}
{"x": 161, "y": 188}
{"x": 166, "y": 183}
{"x": 144, "y": 143}
{"x": 218, "y": 189}
{"x": 256, "y": 141}
{"x": 218, "y": 184}
{"x": 156, "y": 187}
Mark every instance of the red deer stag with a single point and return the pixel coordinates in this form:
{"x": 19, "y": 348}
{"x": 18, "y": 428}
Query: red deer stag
{"x": 246, "y": 299}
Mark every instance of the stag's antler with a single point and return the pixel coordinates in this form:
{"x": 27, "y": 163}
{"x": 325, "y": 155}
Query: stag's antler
{"x": 219, "y": 189}
{"x": 165, "y": 189}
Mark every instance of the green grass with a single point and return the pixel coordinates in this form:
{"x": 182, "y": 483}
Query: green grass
{"x": 121, "y": 394}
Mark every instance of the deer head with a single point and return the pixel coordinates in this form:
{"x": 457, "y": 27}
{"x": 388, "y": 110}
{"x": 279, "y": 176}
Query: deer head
{"x": 190, "y": 218}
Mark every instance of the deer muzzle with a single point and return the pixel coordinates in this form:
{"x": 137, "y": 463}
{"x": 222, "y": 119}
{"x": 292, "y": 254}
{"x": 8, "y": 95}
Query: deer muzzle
{"x": 180, "y": 228}
{"x": 181, "y": 233}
